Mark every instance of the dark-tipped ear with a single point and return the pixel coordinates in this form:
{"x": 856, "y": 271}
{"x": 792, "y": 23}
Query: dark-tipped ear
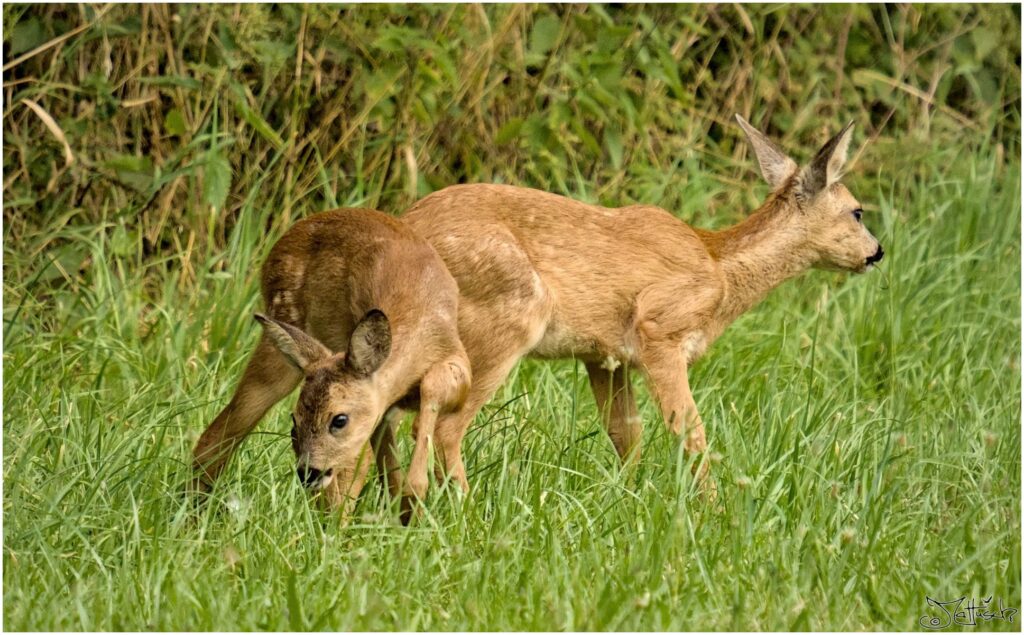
{"x": 827, "y": 166}
{"x": 300, "y": 349}
{"x": 776, "y": 166}
{"x": 370, "y": 344}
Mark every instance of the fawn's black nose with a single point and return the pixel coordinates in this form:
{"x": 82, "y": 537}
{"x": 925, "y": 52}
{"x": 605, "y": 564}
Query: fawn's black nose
{"x": 877, "y": 257}
{"x": 310, "y": 476}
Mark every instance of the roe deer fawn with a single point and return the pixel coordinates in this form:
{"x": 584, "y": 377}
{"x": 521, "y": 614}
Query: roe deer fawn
{"x": 366, "y": 312}
{"x": 547, "y": 276}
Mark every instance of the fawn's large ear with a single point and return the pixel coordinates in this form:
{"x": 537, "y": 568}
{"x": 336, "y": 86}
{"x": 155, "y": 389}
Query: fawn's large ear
{"x": 776, "y": 166}
{"x": 301, "y": 350}
{"x": 370, "y": 344}
{"x": 827, "y": 166}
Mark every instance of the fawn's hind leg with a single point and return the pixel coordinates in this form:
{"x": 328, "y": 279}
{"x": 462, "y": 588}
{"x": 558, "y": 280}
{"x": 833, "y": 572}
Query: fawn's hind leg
{"x": 613, "y": 393}
{"x": 268, "y": 379}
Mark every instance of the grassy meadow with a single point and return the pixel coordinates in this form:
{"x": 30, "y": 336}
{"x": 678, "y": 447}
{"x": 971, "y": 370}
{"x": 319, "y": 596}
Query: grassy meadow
{"x": 865, "y": 429}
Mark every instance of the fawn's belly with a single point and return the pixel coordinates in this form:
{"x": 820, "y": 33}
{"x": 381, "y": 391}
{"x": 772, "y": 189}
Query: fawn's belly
{"x": 594, "y": 337}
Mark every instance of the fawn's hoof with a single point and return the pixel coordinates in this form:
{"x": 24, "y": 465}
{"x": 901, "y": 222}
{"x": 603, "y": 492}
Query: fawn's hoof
{"x": 707, "y": 489}
{"x": 411, "y": 508}
{"x": 197, "y": 490}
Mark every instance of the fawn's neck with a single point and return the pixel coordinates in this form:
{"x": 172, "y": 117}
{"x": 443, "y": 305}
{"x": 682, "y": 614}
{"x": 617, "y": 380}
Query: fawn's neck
{"x": 756, "y": 255}
{"x": 405, "y": 365}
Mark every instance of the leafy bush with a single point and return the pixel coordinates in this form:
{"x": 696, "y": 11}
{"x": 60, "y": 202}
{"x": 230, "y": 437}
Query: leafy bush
{"x": 166, "y": 118}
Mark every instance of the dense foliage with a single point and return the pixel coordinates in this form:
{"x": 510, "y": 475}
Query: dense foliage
{"x": 174, "y": 115}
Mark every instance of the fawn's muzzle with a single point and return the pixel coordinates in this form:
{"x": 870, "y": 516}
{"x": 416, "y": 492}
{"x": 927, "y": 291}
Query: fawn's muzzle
{"x": 312, "y": 478}
{"x": 877, "y": 257}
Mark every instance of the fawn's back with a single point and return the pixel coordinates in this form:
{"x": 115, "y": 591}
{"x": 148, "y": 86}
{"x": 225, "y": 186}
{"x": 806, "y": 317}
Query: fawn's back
{"x": 331, "y": 268}
{"x": 577, "y": 268}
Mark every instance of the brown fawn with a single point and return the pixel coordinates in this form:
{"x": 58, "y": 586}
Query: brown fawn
{"x": 547, "y": 276}
{"x": 365, "y": 312}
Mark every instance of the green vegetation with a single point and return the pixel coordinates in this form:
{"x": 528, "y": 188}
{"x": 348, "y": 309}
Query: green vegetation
{"x": 867, "y": 428}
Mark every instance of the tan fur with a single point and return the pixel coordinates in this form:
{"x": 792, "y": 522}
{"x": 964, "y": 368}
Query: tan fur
{"x": 632, "y": 287}
{"x": 321, "y": 283}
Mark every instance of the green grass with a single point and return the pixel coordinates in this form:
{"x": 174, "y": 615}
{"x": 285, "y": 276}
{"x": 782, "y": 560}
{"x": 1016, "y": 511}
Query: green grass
{"x": 867, "y": 427}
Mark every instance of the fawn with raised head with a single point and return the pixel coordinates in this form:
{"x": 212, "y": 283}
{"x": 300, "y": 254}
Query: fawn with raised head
{"x": 547, "y": 276}
{"x": 365, "y": 312}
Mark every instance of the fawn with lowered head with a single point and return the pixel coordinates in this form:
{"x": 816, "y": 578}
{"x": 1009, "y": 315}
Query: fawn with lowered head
{"x": 547, "y": 276}
{"x": 365, "y": 312}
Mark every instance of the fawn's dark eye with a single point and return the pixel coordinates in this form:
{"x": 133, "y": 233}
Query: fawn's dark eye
{"x": 339, "y": 422}
{"x": 857, "y": 213}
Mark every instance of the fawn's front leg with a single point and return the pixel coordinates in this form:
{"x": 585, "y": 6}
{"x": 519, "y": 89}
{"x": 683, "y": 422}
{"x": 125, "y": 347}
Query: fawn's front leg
{"x": 383, "y": 441}
{"x": 342, "y": 492}
{"x": 451, "y": 428}
{"x": 667, "y": 374}
{"x": 442, "y": 389}
{"x": 414, "y": 488}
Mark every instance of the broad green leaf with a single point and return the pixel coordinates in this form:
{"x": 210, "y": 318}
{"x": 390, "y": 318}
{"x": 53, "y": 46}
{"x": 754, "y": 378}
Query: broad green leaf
{"x": 536, "y": 133}
{"x": 136, "y": 172}
{"x": 69, "y": 257}
{"x": 121, "y": 242}
{"x": 274, "y": 54}
{"x": 216, "y": 180}
{"x": 174, "y": 123}
{"x": 383, "y": 82}
{"x": 544, "y": 34}
{"x": 26, "y": 35}
{"x": 984, "y": 41}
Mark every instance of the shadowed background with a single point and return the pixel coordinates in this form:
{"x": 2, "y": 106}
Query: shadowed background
{"x": 868, "y": 429}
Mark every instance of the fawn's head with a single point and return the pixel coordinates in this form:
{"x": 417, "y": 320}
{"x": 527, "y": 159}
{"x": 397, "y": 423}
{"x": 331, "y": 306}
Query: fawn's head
{"x": 816, "y": 208}
{"x": 340, "y": 402}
